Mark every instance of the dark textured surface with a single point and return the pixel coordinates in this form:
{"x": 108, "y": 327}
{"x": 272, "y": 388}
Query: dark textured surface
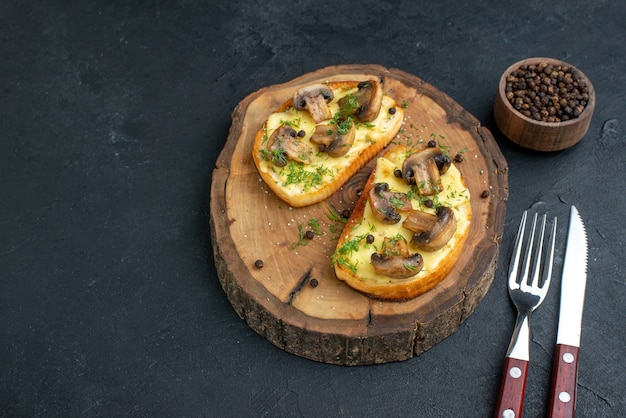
{"x": 111, "y": 118}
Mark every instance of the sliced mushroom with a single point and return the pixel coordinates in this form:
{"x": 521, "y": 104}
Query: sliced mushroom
{"x": 366, "y": 102}
{"x": 431, "y": 232}
{"x": 315, "y": 99}
{"x": 395, "y": 261}
{"x": 336, "y": 140}
{"x": 424, "y": 169}
{"x": 284, "y": 144}
{"x": 386, "y": 204}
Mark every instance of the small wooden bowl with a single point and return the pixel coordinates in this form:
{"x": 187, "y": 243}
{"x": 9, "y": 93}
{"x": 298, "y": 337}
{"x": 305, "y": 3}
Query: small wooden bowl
{"x": 539, "y": 135}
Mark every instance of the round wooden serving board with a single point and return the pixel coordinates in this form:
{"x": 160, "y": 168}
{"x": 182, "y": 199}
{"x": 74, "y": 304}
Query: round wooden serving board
{"x": 295, "y": 301}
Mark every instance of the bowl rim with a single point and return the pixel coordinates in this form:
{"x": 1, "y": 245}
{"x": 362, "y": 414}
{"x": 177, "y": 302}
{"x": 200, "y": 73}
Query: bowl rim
{"x": 588, "y": 107}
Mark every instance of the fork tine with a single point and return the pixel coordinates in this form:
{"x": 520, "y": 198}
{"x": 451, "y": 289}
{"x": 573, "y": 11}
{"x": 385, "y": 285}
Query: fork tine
{"x": 517, "y": 250}
{"x": 534, "y": 282}
{"x": 549, "y": 261}
{"x": 528, "y": 254}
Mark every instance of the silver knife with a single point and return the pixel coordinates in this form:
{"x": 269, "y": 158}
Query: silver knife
{"x": 573, "y": 283}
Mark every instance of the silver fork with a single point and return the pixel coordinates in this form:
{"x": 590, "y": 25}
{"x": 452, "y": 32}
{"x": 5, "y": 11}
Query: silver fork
{"x": 527, "y": 292}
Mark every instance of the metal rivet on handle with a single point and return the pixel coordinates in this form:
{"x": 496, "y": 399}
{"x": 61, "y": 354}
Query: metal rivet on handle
{"x": 564, "y": 397}
{"x": 508, "y": 413}
{"x": 568, "y": 357}
{"x": 515, "y": 372}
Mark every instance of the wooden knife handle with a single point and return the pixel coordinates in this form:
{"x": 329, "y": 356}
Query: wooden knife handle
{"x": 512, "y": 386}
{"x": 564, "y": 377}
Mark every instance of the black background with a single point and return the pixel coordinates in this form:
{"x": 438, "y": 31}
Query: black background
{"x": 112, "y": 115}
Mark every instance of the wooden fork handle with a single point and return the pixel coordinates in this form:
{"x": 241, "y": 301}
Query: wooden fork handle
{"x": 564, "y": 376}
{"x": 512, "y": 386}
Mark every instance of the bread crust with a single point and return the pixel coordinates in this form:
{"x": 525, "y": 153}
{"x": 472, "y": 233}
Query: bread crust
{"x": 368, "y": 144}
{"x": 385, "y": 288}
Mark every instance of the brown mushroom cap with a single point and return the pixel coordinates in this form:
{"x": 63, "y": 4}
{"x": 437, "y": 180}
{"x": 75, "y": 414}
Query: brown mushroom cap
{"x": 367, "y": 100}
{"x": 314, "y": 98}
{"x": 284, "y": 144}
{"x": 386, "y": 204}
{"x": 424, "y": 168}
{"x": 332, "y": 141}
{"x": 431, "y": 232}
{"x": 395, "y": 261}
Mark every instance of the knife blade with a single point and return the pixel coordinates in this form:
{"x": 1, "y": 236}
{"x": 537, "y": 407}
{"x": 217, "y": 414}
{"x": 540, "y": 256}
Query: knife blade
{"x": 573, "y": 284}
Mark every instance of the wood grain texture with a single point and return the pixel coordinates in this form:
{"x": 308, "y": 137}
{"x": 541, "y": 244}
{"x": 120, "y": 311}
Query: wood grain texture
{"x": 564, "y": 382}
{"x": 512, "y": 388}
{"x": 331, "y": 322}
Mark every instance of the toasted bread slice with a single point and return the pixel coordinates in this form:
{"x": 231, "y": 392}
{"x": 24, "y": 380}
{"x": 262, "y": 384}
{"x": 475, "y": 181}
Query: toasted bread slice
{"x": 313, "y": 172}
{"x": 364, "y": 234}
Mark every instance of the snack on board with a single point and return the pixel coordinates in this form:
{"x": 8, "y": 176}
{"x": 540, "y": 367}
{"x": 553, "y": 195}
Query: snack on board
{"x": 315, "y": 142}
{"x": 408, "y": 227}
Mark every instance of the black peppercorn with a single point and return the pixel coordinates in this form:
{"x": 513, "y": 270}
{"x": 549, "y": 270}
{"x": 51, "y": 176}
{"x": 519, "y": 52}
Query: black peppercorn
{"x": 432, "y": 143}
{"x": 392, "y": 110}
{"x": 258, "y": 264}
{"x": 369, "y": 239}
{"x": 301, "y": 133}
{"x": 345, "y": 213}
{"x": 398, "y": 173}
{"x": 547, "y": 92}
{"x": 485, "y": 194}
{"x": 458, "y": 158}
{"x": 314, "y": 282}
{"x": 309, "y": 234}
{"x": 429, "y": 203}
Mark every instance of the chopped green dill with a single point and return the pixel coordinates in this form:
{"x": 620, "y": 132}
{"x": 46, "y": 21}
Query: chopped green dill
{"x": 396, "y": 238}
{"x": 337, "y": 225}
{"x": 301, "y": 240}
{"x": 412, "y": 194}
{"x": 405, "y": 104}
{"x": 344, "y": 262}
{"x": 344, "y": 118}
{"x": 314, "y": 223}
{"x": 350, "y": 104}
{"x": 396, "y": 202}
{"x": 356, "y": 225}
{"x": 294, "y": 123}
{"x": 344, "y": 125}
{"x": 333, "y": 215}
{"x": 278, "y": 156}
{"x": 341, "y": 256}
{"x": 351, "y": 246}
{"x": 434, "y": 201}
{"x": 296, "y": 173}
{"x": 335, "y": 229}
{"x": 324, "y": 171}
{"x": 265, "y": 135}
{"x": 265, "y": 154}
{"x": 410, "y": 267}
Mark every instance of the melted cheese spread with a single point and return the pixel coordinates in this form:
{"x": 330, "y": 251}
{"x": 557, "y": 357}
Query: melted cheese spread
{"x": 296, "y": 178}
{"x": 454, "y": 194}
